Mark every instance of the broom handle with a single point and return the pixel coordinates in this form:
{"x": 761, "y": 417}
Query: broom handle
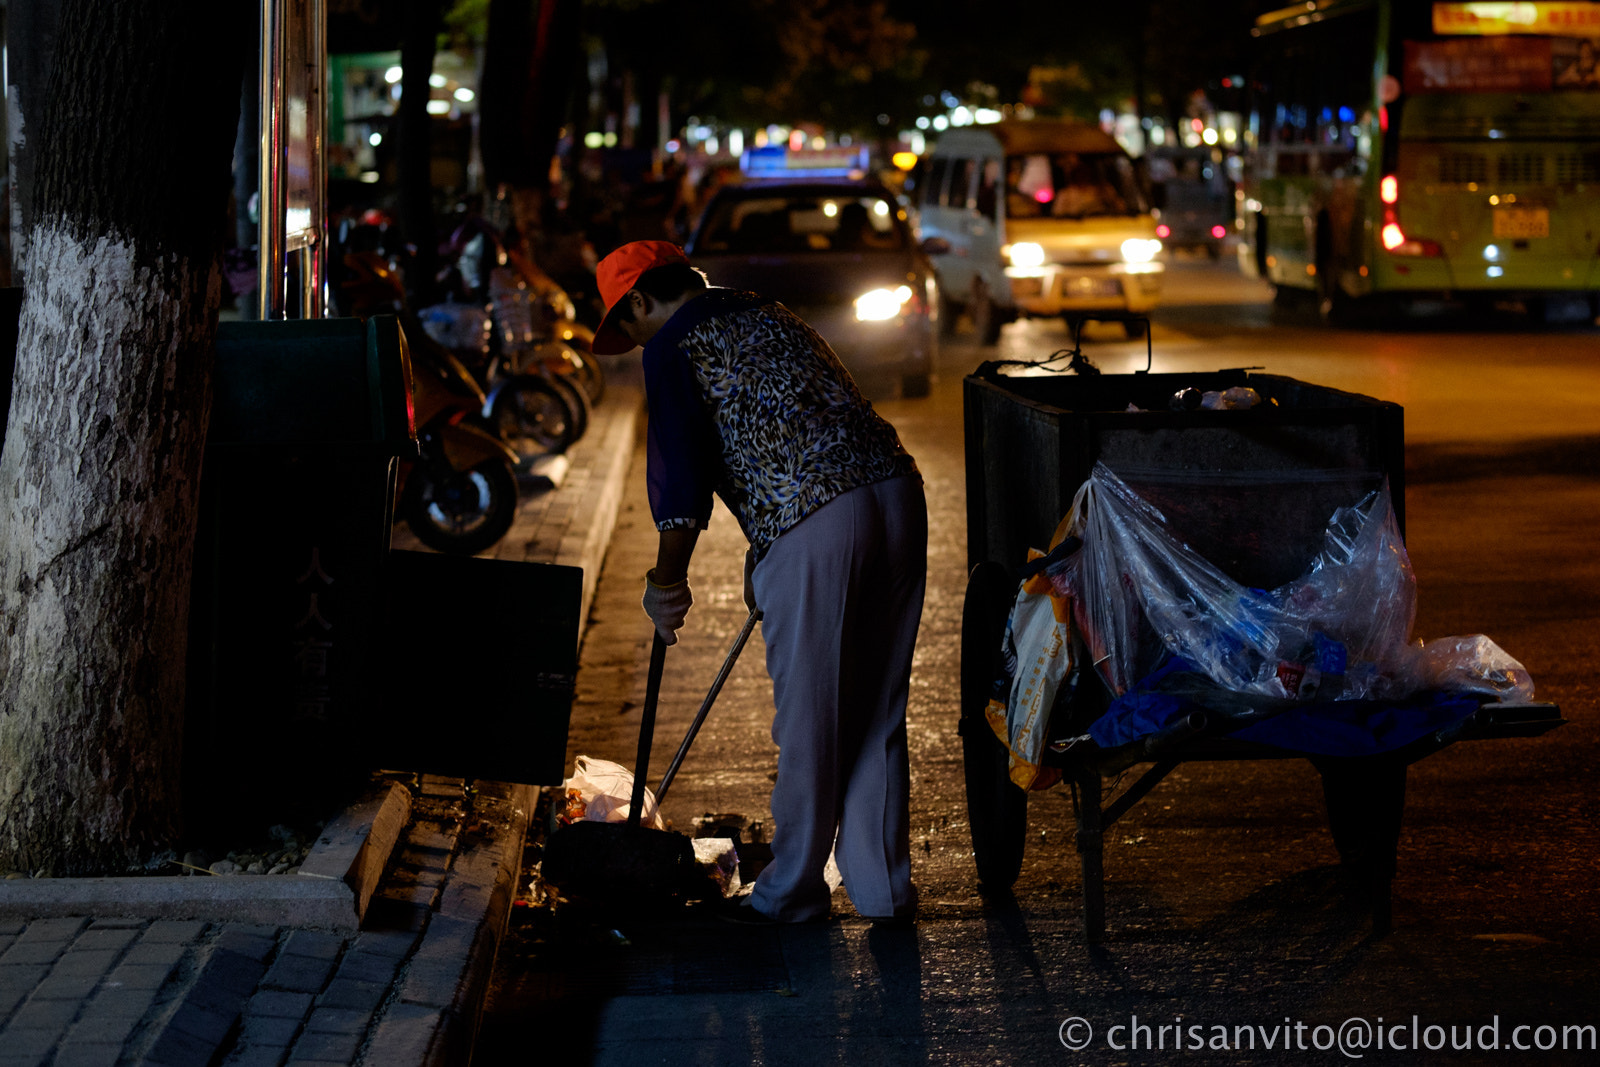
{"x": 647, "y": 729}
{"x": 705, "y": 708}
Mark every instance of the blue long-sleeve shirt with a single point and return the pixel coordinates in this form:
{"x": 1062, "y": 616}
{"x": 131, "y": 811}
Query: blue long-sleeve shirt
{"x": 750, "y": 403}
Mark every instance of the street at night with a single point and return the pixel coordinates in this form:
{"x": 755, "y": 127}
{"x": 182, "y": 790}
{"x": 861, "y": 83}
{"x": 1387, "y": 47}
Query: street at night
{"x": 1223, "y": 899}
{"x": 1116, "y": 484}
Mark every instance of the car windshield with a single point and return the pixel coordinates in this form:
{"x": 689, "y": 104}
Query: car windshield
{"x": 1071, "y": 185}
{"x": 785, "y": 225}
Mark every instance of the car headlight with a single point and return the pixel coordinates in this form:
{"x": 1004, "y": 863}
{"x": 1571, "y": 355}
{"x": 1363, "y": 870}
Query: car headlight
{"x": 1025, "y": 254}
{"x": 881, "y": 304}
{"x": 1138, "y": 250}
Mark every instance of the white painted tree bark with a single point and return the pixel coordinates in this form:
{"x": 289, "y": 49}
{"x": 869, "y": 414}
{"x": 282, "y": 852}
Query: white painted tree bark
{"x": 100, "y": 468}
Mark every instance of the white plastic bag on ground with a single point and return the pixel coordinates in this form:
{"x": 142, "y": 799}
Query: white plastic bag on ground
{"x": 718, "y": 859}
{"x": 605, "y": 791}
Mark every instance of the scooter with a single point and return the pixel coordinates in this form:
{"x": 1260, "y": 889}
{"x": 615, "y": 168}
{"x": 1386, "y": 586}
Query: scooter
{"x": 535, "y": 328}
{"x": 532, "y": 412}
{"x": 560, "y": 341}
{"x": 460, "y": 494}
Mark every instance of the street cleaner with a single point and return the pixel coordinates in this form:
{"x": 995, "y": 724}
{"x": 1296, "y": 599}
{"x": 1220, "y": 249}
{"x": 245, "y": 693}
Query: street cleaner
{"x": 748, "y": 402}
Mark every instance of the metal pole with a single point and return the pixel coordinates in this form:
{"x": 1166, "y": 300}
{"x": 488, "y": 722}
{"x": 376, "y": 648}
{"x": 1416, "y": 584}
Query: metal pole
{"x": 271, "y": 263}
{"x": 313, "y": 263}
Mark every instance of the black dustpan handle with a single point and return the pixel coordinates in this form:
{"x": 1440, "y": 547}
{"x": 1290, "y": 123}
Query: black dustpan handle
{"x": 647, "y": 729}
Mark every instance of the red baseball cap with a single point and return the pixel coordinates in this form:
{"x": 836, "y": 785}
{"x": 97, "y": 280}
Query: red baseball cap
{"x": 618, "y": 273}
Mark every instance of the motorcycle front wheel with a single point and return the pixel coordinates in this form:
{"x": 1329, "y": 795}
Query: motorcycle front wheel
{"x": 532, "y": 415}
{"x": 461, "y": 512}
{"x": 577, "y": 401}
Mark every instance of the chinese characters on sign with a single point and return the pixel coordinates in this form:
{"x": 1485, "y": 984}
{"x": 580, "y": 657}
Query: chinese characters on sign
{"x": 1507, "y": 47}
{"x": 1501, "y": 65}
{"x": 1485, "y": 65}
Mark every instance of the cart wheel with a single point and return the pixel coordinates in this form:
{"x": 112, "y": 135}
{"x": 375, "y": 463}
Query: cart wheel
{"x": 997, "y": 810}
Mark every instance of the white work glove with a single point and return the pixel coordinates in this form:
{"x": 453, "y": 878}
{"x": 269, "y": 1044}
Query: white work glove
{"x": 667, "y": 605}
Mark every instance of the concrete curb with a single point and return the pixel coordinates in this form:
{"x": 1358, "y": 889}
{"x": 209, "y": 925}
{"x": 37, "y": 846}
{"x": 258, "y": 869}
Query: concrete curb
{"x": 355, "y": 847}
{"x": 595, "y": 516}
{"x": 434, "y": 1010}
{"x": 331, "y": 891}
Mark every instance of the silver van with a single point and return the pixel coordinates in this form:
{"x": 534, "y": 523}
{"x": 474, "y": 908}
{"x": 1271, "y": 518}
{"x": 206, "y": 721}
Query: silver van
{"x": 1042, "y": 218}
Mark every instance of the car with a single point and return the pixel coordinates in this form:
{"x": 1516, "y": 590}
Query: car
{"x": 1039, "y": 218}
{"x": 841, "y": 254}
{"x": 1193, "y": 198}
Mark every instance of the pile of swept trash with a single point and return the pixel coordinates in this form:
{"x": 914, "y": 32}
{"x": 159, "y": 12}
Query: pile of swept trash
{"x": 730, "y": 849}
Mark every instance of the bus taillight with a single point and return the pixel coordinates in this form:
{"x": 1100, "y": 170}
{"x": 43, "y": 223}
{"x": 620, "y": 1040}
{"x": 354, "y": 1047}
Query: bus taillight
{"x": 1397, "y": 243}
{"x": 1389, "y": 189}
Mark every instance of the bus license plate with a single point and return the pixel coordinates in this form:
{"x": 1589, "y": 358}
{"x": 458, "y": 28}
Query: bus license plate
{"x": 1522, "y": 222}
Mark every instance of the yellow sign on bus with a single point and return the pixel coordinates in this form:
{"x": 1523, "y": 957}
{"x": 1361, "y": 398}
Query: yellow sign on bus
{"x": 1545, "y": 19}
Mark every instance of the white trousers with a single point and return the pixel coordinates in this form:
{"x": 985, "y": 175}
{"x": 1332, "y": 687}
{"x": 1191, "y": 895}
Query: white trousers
{"x": 841, "y": 597}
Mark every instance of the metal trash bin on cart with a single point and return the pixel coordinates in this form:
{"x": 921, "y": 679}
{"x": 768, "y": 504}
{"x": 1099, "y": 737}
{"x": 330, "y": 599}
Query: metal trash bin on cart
{"x": 1252, "y": 492}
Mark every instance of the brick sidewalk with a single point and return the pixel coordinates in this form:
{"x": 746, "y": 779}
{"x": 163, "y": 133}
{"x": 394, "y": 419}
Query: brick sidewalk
{"x": 408, "y": 988}
{"x": 96, "y": 992}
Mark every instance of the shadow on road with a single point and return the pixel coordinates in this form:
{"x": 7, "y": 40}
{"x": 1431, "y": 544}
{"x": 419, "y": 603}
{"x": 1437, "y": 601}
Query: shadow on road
{"x": 1439, "y": 464}
{"x": 1375, "y": 314}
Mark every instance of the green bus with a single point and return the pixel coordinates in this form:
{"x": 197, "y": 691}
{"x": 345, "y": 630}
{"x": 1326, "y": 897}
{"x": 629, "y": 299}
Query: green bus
{"x": 1410, "y": 149}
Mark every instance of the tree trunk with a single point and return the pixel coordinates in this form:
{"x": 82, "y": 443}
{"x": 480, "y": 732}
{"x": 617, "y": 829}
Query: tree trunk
{"x": 101, "y": 460}
{"x": 528, "y": 64}
{"x": 504, "y": 93}
{"x": 416, "y": 146}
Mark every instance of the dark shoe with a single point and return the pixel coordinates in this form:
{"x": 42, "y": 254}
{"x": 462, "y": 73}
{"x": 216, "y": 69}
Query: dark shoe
{"x": 739, "y": 910}
{"x": 904, "y": 918}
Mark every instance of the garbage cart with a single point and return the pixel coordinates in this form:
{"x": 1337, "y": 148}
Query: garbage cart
{"x": 1250, "y": 490}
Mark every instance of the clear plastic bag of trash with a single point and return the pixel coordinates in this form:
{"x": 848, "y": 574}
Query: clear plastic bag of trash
{"x": 602, "y": 791}
{"x": 1340, "y": 631}
{"x": 1234, "y": 398}
{"x": 1471, "y": 664}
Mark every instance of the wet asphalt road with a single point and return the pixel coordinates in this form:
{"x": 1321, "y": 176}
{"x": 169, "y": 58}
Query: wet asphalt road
{"x": 1222, "y": 899}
